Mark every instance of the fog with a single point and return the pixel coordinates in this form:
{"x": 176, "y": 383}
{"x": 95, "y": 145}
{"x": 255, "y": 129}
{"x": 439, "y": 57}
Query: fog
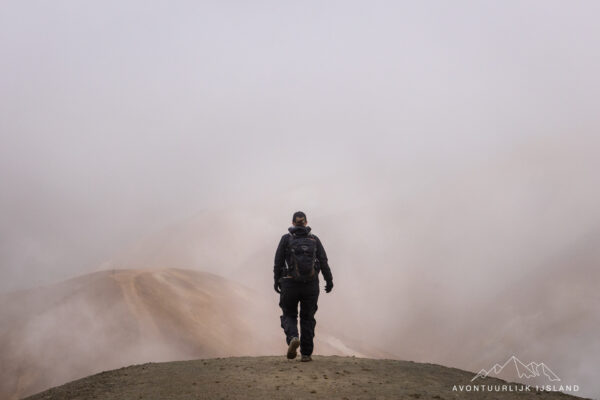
{"x": 446, "y": 155}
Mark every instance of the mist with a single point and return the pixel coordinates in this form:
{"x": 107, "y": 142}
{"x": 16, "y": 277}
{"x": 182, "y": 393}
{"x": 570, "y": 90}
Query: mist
{"x": 445, "y": 154}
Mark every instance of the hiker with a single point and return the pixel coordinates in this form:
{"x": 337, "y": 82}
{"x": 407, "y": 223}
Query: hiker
{"x": 298, "y": 259}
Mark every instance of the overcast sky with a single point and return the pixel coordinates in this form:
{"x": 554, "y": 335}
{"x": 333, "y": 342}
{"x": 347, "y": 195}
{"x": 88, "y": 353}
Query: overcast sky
{"x": 118, "y": 118}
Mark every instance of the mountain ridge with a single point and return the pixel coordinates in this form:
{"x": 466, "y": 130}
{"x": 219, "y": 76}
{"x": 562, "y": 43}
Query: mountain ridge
{"x": 275, "y": 377}
{"x": 111, "y": 318}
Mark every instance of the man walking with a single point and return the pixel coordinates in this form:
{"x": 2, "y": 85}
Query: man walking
{"x": 298, "y": 259}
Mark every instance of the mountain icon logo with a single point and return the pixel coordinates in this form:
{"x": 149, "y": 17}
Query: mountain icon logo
{"x": 530, "y": 370}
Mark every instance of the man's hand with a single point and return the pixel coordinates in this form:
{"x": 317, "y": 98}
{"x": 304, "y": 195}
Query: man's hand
{"x": 328, "y": 287}
{"x": 277, "y": 287}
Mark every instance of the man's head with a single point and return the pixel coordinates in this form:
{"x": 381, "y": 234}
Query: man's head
{"x": 299, "y": 219}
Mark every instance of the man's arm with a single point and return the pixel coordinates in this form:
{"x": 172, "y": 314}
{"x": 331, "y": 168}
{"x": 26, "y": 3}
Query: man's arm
{"x": 279, "y": 258}
{"x": 322, "y": 257}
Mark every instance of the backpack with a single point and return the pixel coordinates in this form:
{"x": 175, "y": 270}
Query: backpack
{"x": 303, "y": 254}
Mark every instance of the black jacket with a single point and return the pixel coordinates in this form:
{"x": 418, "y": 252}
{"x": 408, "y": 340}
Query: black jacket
{"x": 282, "y": 255}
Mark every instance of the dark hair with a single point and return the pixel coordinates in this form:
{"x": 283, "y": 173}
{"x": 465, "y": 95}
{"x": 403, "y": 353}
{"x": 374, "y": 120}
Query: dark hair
{"x": 298, "y": 214}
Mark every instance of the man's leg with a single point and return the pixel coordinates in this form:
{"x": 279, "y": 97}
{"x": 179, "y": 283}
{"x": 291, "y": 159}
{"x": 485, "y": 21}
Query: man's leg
{"x": 288, "y": 301}
{"x": 308, "y": 308}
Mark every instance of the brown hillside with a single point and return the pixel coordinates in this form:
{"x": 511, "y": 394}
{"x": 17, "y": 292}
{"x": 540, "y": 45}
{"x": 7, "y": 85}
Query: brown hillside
{"x": 108, "y": 319}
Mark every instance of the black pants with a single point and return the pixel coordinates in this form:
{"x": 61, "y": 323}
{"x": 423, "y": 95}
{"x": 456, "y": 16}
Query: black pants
{"x": 307, "y": 295}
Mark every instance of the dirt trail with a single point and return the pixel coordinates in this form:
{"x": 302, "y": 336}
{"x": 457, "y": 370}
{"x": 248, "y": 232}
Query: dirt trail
{"x": 327, "y": 377}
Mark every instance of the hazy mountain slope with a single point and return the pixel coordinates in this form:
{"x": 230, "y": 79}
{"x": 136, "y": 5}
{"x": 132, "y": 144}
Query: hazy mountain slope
{"x": 277, "y": 378}
{"x": 463, "y": 269}
{"x": 108, "y": 319}
{"x": 548, "y": 312}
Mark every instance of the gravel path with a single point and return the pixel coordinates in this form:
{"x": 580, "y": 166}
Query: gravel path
{"x": 326, "y": 377}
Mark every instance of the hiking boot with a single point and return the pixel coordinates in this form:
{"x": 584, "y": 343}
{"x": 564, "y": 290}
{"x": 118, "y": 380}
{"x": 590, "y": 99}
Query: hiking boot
{"x": 294, "y": 343}
{"x": 306, "y": 358}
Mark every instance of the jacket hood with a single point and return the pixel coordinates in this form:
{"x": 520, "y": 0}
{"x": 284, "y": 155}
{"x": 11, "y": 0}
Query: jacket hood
{"x": 299, "y": 230}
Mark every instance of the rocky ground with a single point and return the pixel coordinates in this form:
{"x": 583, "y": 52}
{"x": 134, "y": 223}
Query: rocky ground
{"x": 326, "y": 377}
